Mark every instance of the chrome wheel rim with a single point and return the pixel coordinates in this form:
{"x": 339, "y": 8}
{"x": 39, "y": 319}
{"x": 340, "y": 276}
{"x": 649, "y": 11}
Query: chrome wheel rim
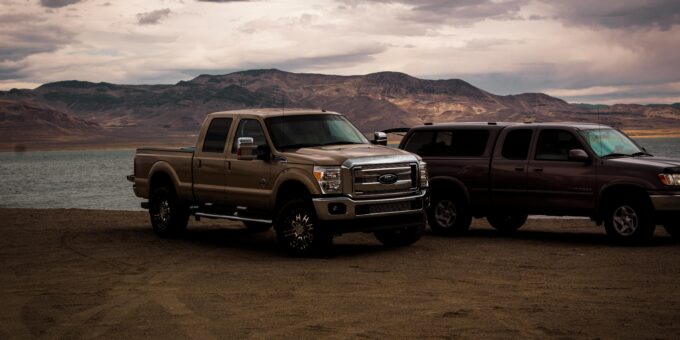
{"x": 300, "y": 231}
{"x": 445, "y": 213}
{"x": 625, "y": 220}
{"x": 162, "y": 216}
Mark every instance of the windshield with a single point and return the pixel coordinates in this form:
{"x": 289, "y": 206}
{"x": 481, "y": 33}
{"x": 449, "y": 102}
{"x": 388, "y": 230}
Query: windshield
{"x": 610, "y": 142}
{"x": 301, "y": 131}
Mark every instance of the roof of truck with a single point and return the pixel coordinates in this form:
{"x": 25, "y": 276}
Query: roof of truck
{"x": 576, "y": 125}
{"x": 271, "y": 112}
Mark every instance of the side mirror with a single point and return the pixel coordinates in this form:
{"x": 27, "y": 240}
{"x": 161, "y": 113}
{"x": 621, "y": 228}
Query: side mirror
{"x": 578, "y": 155}
{"x": 380, "y": 138}
{"x": 245, "y": 148}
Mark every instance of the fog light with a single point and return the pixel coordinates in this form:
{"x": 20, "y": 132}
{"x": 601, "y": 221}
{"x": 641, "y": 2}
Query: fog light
{"x": 337, "y": 209}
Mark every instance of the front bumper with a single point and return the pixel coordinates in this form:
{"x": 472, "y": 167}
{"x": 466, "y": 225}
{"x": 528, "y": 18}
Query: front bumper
{"x": 345, "y": 208}
{"x": 666, "y": 202}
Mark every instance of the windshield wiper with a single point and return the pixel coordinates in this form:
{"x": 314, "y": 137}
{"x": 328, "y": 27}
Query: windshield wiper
{"x": 340, "y": 142}
{"x": 615, "y": 154}
{"x": 641, "y": 153}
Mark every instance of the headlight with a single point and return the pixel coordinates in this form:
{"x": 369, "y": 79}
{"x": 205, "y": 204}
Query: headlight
{"x": 670, "y": 179}
{"x": 329, "y": 178}
{"x": 423, "y": 174}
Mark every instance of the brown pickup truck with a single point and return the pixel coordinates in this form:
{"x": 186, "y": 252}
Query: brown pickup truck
{"x": 505, "y": 171}
{"x": 309, "y": 173}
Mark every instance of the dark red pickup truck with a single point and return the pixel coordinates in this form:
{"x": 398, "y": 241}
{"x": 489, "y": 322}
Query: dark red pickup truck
{"x": 505, "y": 171}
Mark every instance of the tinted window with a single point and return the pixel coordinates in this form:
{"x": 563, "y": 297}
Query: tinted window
{"x": 312, "y": 130}
{"x": 454, "y": 143}
{"x": 216, "y": 137}
{"x": 249, "y": 128}
{"x": 516, "y": 144}
{"x": 554, "y": 145}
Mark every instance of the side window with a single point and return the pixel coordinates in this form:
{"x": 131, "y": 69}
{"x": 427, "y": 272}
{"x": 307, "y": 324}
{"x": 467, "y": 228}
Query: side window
{"x": 216, "y": 136}
{"x": 249, "y": 128}
{"x": 554, "y": 145}
{"x": 418, "y": 142}
{"x": 467, "y": 143}
{"x": 516, "y": 144}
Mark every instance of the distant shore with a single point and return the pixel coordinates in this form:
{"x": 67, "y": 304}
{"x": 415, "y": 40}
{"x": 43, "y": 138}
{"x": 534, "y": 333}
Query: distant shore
{"x": 176, "y": 141}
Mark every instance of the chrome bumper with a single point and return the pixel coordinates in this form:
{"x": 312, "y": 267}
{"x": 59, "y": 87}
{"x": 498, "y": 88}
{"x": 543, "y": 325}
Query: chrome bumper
{"x": 666, "y": 202}
{"x": 370, "y": 207}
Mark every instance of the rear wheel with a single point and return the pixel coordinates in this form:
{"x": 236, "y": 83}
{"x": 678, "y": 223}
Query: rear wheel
{"x": 629, "y": 221}
{"x": 169, "y": 217}
{"x": 507, "y": 222}
{"x": 298, "y": 229}
{"x": 449, "y": 215}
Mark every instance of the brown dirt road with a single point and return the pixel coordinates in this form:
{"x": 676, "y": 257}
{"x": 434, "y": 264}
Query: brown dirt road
{"x": 85, "y": 274}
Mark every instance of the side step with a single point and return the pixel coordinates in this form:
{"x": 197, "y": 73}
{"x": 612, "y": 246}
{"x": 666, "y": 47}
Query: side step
{"x": 233, "y": 218}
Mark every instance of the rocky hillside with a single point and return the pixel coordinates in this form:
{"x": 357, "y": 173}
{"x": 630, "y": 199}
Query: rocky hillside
{"x": 373, "y": 102}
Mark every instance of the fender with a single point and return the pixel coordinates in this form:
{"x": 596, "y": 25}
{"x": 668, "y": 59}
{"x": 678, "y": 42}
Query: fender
{"x": 441, "y": 181}
{"x": 298, "y": 175}
{"x": 184, "y": 190}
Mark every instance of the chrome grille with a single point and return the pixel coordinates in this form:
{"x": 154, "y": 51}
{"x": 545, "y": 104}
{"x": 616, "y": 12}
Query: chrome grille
{"x": 366, "y": 179}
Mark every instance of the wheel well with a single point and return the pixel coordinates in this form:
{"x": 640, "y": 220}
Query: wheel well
{"x": 449, "y": 187}
{"x": 616, "y": 192}
{"x": 160, "y": 179}
{"x": 291, "y": 189}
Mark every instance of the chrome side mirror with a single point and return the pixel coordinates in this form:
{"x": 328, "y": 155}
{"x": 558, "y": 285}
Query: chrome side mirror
{"x": 245, "y": 148}
{"x": 380, "y": 138}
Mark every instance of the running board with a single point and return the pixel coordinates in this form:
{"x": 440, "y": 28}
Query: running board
{"x": 233, "y": 218}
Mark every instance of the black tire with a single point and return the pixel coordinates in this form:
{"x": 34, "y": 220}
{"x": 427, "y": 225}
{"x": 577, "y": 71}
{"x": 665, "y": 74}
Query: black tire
{"x": 449, "y": 215}
{"x": 169, "y": 217}
{"x": 629, "y": 221}
{"x": 673, "y": 230}
{"x": 256, "y": 227}
{"x": 400, "y": 237}
{"x": 507, "y": 222}
{"x": 299, "y": 230}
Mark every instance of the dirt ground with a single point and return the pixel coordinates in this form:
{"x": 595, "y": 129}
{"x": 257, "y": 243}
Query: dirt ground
{"x": 84, "y": 274}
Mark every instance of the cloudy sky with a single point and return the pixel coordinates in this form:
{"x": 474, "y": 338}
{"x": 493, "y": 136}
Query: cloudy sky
{"x": 607, "y": 51}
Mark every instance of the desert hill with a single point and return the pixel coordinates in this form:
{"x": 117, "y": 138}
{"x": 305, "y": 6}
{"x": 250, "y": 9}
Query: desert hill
{"x": 373, "y": 102}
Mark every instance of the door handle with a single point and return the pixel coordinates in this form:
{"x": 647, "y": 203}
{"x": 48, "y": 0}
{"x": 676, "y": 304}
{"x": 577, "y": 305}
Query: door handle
{"x": 519, "y": 169}
{"x": 228, "y": 165}
{"x": 200, "y": 163}
{"x": 538, "y": 169}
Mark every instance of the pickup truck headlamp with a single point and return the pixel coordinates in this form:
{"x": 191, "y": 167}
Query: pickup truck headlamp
{"x": 422, "y": 166}
{"x": 670, "y": 179}
{"x": 329, "y": 179}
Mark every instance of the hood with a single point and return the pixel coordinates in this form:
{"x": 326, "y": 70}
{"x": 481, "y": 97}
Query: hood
{"x": 337, "y": 154}
{"x": 656, "y": 162}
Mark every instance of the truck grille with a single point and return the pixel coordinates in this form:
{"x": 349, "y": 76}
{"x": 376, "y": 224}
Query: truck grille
{"x": 390, "y": 179}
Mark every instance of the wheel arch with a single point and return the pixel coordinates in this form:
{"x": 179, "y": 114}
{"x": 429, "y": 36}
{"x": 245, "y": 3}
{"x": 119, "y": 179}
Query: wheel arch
{"x": 612, "y": 192}
{"x": 442, "y": 184}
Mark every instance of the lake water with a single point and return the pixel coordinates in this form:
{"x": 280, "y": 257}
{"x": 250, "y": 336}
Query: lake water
{"x": 96, "y": 179}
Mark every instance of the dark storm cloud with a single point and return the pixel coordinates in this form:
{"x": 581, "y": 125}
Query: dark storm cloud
{"x": 153, "y": 17}
{"x": 17, "y": 43}
{"x": 619, "y": 13}
{"x": 460, "y": 12}
{"x": 58, "y": 3}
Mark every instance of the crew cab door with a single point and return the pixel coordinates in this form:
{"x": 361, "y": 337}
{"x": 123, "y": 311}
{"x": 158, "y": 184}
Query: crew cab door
{"x": 557, "y": 184}
{"x": 249, "y": 182}
{"x": 209, "y": 163}
{"x": 509, "y": 169}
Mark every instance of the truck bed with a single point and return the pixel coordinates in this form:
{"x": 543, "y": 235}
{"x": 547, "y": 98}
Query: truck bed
{"x": 177, "y": 160}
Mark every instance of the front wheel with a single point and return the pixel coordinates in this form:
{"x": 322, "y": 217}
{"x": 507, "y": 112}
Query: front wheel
{"x": 449, "y": 215}
{"x": 299, "y": 230}
{"x": 400, "y": 237}
{"x": 629, "y": 221}
{"x": 169, "y": 217}
{"x": 507, "y": 222}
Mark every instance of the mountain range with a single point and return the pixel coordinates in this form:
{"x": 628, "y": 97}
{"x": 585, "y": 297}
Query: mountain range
{"x": 80, "y": 113}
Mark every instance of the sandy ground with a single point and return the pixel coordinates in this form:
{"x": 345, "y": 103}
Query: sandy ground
{"x": 84, "y": 274}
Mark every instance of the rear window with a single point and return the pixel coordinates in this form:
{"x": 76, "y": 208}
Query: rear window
{"x": 448, "y": 143}
{"x": 516, "y": 144}
{"x": 216, "y": 137}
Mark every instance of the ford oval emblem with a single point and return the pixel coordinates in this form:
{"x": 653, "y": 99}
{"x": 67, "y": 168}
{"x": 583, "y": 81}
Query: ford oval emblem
{"x": 388, "y": 179}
